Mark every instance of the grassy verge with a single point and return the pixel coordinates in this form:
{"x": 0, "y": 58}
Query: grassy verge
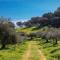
{"x": 51, "y": 52}
{"x": 14, "y": 52}
{"x": 27, "y": 30}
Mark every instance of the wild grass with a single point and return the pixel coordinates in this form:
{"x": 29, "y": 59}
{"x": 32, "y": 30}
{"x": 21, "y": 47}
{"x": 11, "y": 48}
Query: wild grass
{"x": 27, "y": 30}
{"x": 14, "y": 52}
{"x": 51, "y": 52}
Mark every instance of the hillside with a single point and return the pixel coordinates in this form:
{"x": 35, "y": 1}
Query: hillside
{"x": 50, "y": 51}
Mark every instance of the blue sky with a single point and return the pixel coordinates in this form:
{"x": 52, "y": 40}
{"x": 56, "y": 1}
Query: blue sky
{"x": 25, "y": 9}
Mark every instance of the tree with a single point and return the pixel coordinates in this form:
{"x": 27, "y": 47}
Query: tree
{"x": 37, "y": 22}
{"x": 53, "y": 34}
{"x": 6, "y": 31}
{"x": 27, "y": 24}
{"x": 48, "y": 15}
{"x": 55, "y": 22}
{"x": 57, "y": 12}
{"x": 11, "y": 24}
{"x": 43, "y": 36}
{"x": 20, "y": 24}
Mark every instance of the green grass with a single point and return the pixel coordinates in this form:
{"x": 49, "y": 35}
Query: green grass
{"x": 27, "y": 30}
{"x": 51, "y": 52}
{"x": 14, "y": 52}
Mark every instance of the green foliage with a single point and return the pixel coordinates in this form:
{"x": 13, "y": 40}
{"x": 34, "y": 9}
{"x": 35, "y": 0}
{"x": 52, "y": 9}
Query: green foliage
{"x": 7, "y": 32}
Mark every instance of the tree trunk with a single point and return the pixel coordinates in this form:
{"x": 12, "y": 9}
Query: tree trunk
{"x": 46, "y": 40}
{"x": 3, "y": 46}
{"x": 31, "y": 37}
{"x": 56, "y": 41}
{"x": 53, "y": 42}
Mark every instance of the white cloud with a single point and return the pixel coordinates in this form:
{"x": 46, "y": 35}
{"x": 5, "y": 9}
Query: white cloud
{"x": 15, "y": 21}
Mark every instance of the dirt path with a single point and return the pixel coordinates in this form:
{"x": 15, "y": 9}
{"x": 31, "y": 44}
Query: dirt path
{"x": 42, "y": 57}
{"x": 40, "y": 53}
{"x": 28, "y": 53}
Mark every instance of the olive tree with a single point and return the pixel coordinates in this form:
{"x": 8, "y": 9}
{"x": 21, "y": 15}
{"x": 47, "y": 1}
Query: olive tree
{"x": 7, "y": 31}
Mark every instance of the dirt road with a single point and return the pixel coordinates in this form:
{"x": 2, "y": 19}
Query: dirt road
{"x": 29, "y": 55}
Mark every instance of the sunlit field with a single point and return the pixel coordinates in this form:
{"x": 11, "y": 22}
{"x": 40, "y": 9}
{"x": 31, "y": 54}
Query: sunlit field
{"x": 13, "y": 52}
{"x": 29, "y": 30}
